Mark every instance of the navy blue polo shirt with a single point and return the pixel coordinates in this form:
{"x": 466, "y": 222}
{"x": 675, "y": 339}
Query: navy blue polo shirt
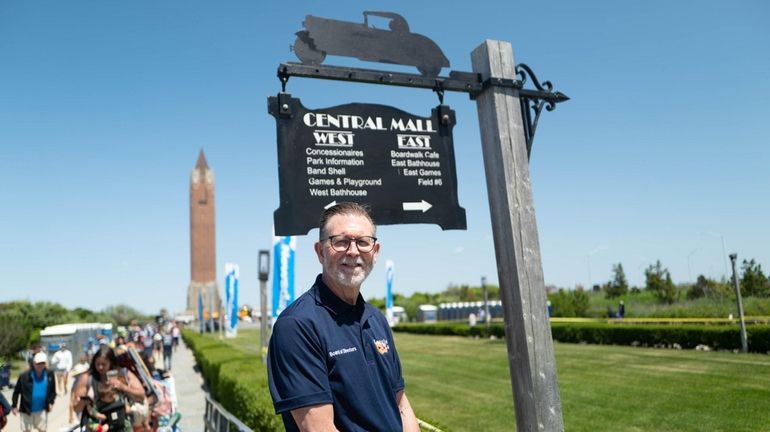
{"x": 324, "y": 350}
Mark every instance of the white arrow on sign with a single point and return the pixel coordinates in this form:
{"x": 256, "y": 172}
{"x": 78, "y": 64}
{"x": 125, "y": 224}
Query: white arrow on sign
{"x": 330, "y": 205}
{"x": 412, "y": 206}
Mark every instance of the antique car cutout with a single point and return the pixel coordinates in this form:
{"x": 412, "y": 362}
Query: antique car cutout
{"x": 323, "y": 36}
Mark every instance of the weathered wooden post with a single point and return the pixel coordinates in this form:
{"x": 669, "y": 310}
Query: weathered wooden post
{"x": 531, "y": 358}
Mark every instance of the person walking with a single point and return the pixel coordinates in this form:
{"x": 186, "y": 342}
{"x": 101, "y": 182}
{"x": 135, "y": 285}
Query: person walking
{"x": 61, "y": 363}
{"x": 78, "y": 373}
{"x": 168, "y": 349}
{"x": 175, "y": 333}
{"x": 106, "y": 390}
{"x": 34, "y": 395}
{"x": 332, "y": 362}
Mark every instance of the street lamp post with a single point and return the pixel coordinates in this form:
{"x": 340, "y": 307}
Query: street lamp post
{"x": 744, "y": 341}
{"x": 264, "y": 270}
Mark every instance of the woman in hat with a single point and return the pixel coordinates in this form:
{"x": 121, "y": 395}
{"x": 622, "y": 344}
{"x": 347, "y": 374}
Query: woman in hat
{"x": 78, "y": 373}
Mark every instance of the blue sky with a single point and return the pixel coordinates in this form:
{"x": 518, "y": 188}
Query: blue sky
{"x": 662, "y": 152}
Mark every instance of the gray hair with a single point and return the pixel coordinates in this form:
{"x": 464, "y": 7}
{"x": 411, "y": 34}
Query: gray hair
{"x": 344, "y": 208}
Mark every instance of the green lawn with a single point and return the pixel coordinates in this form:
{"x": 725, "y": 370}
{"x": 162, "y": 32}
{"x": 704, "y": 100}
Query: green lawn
{"x": 464, "y": 385}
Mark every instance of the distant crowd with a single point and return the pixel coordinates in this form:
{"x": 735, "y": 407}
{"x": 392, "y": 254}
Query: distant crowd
{"x": 118, "y": 384}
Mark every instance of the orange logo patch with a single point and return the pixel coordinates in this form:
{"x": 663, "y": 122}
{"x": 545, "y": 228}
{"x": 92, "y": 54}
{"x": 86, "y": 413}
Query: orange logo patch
{"x": 382, "y": 346}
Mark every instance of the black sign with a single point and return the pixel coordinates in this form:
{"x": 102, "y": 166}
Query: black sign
{"x": 401, "y": 165}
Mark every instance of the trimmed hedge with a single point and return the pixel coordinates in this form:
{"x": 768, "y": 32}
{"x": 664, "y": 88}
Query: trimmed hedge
{"x": 721, "y": 337}
{"x": 238, "y": 381}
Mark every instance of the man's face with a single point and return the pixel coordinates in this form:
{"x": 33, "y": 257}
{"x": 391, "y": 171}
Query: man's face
{"x": 350, "y": 268}
{"x": 39, "y": 368}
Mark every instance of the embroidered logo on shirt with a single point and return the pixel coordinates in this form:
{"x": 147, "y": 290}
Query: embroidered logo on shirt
{"x": 382, "y": 346}
{"x": 342, "y": 351}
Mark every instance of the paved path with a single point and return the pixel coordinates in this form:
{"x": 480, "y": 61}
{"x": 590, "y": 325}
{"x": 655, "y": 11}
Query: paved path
{"x": 191, "y": 398}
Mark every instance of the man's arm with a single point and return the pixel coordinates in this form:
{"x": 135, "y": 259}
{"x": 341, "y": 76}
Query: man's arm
{"x": 50, "y": 396}
{"x": 408, "y": 419}
{"x": 315, "y": 418}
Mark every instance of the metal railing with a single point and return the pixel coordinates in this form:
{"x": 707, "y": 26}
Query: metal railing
{"x": 218, "y": 419}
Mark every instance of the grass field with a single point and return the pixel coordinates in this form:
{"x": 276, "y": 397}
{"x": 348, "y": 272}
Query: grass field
{"x": 463, "y": 384}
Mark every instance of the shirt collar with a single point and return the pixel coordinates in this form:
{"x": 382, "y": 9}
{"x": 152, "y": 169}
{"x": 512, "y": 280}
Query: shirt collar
{"x": 337, "y": 306}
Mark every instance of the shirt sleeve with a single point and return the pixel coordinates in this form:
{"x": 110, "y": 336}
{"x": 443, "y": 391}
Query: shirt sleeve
{"x": 297, "y": 371}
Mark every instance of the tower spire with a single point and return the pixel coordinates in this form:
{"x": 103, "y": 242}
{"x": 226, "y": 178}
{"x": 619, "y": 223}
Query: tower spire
{"x": 201, "y": 164}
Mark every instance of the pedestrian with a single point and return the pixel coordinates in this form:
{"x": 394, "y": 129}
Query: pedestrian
{"x": 107, "y": 390}
{"x": 34, "y": 395}
{"x": 34, "y": 349}
{"x": 78, "y": 373}
{"x": 157, "y": 347}
{"x": 147, "y": 343}
{"x": 61, "y": 363}
{"x": 175, "y": 334}
{"x": 332, "y": 362}
{"x": 168, "y": 349}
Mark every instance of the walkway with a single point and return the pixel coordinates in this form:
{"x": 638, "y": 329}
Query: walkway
{"x": 191, "y": 397}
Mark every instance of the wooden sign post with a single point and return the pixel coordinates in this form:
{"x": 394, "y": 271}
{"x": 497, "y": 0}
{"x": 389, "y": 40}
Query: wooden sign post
{"x": 508, "y": 116}
{"x": 531, "y": 358}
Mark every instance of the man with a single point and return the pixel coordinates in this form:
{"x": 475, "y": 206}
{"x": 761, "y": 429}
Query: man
{"x": 61, "y": 362}
{"x": 33, "y": 349}
{"x": 332, "y": 361}
{"x": 168, "y": 346}
{"x": 38, "y": 393}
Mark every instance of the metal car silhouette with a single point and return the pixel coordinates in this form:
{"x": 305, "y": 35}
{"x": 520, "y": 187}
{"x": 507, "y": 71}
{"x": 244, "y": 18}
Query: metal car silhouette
{"x": 323, "y": 36}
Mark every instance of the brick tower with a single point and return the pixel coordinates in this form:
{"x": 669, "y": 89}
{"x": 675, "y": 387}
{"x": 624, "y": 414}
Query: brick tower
{"x": 203, "y": 271}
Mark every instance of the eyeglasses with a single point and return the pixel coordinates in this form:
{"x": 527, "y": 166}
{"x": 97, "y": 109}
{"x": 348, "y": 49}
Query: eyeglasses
{"x": 341, "y": 243}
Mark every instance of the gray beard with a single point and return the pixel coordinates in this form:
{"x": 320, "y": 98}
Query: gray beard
{"x": 352, "y": 281}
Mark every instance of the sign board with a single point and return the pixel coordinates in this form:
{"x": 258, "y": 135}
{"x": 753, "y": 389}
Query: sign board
{"x": 401, "y": 165}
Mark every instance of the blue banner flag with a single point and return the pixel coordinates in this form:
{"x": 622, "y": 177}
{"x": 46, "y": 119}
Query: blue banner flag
{"x": 232, "y": 274}
{"x": 200, "y": 308}
{"x": 284, "y": 249}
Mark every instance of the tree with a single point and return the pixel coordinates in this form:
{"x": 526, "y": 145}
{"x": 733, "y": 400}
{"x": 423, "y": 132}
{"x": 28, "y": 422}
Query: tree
{"x": 38, "y": 315}
{"x": 754, "y": 282}
{"x": 705, "y": 287}
{"x": 619, "y": 284}
{"x": 14, "y": 335}
{"x": 580, "y": 302}
{"x": 700, "y": 288}
{"x": 123, "y": 314}
{"x": 658, "y": 280}
{"x": 572, "y": 303}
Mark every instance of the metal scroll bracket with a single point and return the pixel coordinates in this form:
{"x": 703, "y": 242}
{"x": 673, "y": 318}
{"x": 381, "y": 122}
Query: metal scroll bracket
{"x": 532, "y": 100}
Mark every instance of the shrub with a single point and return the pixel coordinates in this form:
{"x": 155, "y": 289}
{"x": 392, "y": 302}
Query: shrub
{"x": 686, "y": 335}
{"x": 238, "y": 381}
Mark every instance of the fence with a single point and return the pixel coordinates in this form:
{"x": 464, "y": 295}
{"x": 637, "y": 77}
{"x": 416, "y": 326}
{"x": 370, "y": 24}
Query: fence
{"x": 218, "y": 419}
